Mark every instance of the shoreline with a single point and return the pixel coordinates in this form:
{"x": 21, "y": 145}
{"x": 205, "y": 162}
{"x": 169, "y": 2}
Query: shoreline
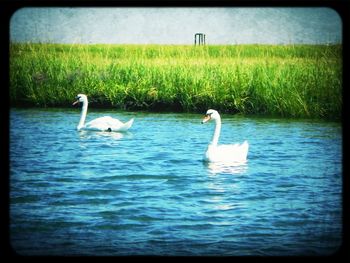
{"x": 298, "y": 81}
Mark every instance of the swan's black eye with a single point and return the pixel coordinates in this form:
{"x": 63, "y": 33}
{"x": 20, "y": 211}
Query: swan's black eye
{"x": 77, "y": 97}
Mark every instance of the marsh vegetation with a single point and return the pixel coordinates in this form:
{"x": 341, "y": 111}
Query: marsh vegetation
{"x": 279, "y": 80}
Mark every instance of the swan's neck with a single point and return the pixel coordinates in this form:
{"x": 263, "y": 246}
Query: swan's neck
{"x": 216, "y": 135}
{"x": 83, "y": 115}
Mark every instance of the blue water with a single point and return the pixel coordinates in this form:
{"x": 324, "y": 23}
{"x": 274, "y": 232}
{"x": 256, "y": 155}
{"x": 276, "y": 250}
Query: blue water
{"x": 147, "y": 192}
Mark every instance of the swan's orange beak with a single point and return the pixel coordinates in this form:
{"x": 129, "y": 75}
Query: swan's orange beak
{"x": 75, "y": 102}
{"x": 206, "y": 118}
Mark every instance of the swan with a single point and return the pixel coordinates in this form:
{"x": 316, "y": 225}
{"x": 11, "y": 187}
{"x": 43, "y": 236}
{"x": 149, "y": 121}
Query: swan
{"x": 105, "y": 123}
{"x": 231, "y": 153}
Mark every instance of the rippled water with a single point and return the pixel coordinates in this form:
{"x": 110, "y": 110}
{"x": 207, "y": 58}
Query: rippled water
{"x": 147, "y": 192}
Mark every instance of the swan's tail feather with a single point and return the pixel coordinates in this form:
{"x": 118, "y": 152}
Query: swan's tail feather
{"x": 127, "y": 125}
{"x": 245, "y": 144}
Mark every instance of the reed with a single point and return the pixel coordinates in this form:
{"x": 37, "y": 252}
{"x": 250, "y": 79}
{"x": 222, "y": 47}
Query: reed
{"x": 282, "y": 80}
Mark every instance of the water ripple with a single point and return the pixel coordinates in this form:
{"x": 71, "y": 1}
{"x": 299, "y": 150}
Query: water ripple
{"x": 147, "y": 192}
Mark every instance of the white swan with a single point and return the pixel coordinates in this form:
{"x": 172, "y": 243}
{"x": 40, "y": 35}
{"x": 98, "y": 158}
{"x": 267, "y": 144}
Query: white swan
{"x": 231, "y": 153}
{"x": 105, "y": 123}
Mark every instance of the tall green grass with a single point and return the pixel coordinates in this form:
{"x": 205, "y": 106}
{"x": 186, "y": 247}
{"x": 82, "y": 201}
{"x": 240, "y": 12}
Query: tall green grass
{"x": 284, "y": 80}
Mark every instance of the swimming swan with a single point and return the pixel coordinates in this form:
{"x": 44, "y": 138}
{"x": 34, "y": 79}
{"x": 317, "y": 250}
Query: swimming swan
{"x": 105, "y": 123}
{"x": 231, "y": 153}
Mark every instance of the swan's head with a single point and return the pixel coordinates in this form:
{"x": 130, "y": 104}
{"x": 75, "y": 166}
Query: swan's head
{"x": 211, "y": 115}
{"x": 80, "y": 98}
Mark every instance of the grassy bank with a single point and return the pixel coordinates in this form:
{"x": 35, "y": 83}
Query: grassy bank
{"x": 295, "y": 80}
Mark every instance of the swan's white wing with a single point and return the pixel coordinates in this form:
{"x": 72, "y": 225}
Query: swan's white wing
{"x": 234, "y": 148}
{"x": 108, "y": 123}
{"x": 124, "y": 127}
{"x": 227, "y": 153}
{"x": 100, "y": 124}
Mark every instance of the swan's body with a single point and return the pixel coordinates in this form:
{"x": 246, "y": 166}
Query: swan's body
{"x": 230, "y": 153}
{"x": 105, "y": 123}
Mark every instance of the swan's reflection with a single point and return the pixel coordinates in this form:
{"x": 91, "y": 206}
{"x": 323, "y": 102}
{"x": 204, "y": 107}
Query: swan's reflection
{"x": 223, "y": 189}
{"x": 227, "y": 168}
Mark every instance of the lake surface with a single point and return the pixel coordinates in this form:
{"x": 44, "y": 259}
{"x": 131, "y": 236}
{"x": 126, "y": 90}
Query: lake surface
{"x": 147, "y": 191}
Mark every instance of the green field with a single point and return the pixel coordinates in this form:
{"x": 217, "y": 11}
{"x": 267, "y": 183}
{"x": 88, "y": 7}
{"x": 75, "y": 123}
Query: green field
{"x": 279, "y": 80}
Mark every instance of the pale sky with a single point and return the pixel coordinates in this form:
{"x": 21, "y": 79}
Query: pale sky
{"x": 176, "y": 25}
